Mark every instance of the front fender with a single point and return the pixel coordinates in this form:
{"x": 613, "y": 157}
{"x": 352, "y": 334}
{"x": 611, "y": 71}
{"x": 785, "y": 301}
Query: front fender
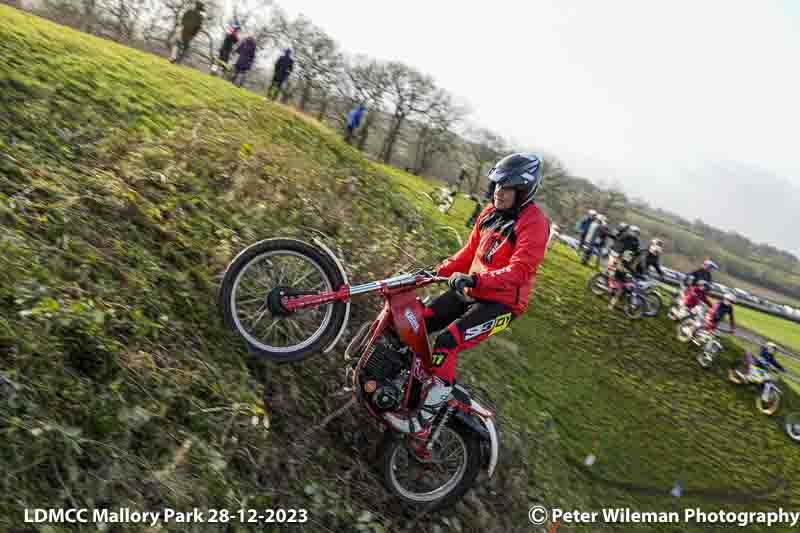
{"x": 490, "y": 431}
{"x": 341, "y": 269}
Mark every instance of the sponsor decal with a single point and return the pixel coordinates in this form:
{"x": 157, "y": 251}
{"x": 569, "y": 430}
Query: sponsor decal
{"x": 412, "y": 320}
{"x": 493, "y": 326}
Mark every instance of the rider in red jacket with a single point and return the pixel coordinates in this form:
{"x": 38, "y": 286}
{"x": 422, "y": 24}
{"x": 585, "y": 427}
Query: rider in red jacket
{"x": 496, "y": 268}
{"x": 696, "y": 294}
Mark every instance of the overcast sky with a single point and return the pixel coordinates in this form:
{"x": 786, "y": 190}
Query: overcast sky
{"x": 691, "y": 105}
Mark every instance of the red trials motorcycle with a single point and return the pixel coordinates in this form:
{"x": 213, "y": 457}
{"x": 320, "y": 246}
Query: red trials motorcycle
{"x": 289, "y": 299}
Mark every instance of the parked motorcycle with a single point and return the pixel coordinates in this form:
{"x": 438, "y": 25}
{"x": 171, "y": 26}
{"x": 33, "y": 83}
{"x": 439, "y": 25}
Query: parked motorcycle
{"x": 691, "y": 322}
{"x": 289, "y": 299}
{"x": 791, "y": 425}
{"x": 647, "y": 296}
{"x": 769, "y": 397}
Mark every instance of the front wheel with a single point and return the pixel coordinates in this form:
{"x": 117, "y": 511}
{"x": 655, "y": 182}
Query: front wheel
{"x": 598, "y": 284}
{"x": 634, "y": 306}
{"x": 251, "y": 291}
{"x": 792, "y": 426}
{"x": 707, "y": 356}
{"x": 652, "y": 304}
{"x": 443, "y": 481}
{"x": 770, "y": 404}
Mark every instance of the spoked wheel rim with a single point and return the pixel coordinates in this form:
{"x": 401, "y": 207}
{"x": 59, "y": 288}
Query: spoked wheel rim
{"x": 634, "y": 310}
{"x": 255, "y": 318}
{"x": 685, "y": 332}
{"x": 652, "y": 304}
{"x": 407, "y": 472}
{"x": 770, "y": 406}
{"x": 792, "y": 426}
{"x": 599, "y": 285}
{"x": 733, "y": 375}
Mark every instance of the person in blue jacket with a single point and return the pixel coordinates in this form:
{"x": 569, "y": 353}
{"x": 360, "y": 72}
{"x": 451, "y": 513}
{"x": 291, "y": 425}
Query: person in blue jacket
{"x": 354, "y": 121}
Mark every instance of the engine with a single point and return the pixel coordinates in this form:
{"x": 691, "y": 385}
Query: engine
{"x": 384, "y": 375}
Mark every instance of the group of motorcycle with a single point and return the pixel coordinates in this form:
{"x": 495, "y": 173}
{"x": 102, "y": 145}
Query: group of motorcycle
{"x": 690, "y": 329}
{"x": 640, "y": 297}
{"x": 289, "y": 299}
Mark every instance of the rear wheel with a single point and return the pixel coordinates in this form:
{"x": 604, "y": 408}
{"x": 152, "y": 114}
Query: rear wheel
{"x": 686, "y": 329}
{"x": 443, "y": 481}
{"x": 251, "y": 291}
{"x": 736, "y": 373}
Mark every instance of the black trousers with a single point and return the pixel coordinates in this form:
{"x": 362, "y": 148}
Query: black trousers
{"x": 465, "y": 326}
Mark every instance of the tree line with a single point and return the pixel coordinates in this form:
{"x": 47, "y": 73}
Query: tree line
{"x": 410, "y": 121}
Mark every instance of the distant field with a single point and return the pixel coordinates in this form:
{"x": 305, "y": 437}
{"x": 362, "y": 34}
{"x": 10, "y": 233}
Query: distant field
{"x": 784, "y": 332}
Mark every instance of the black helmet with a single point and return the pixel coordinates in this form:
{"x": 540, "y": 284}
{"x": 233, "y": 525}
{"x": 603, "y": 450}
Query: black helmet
{"x": 522, "y": 171}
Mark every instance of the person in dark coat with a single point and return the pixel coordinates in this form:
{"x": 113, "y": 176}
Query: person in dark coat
{"x": 191, "y": 23}
{"x": 247, "y": 56}
{"x": 283, "y": 68}
{"x": 231, "y": 40}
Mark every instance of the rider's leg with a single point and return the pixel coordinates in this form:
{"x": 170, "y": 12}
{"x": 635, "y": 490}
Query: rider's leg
{"x": 482, "y": 320}
{"x": 618, "y": 281}
{"x": 444, "y": 310}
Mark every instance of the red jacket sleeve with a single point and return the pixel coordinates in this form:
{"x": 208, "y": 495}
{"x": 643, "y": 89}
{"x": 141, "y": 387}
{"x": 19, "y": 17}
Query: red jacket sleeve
{"x": 528, "y": 254}
{"x": 462, "y": 259}
{"x": 703, "y": 298}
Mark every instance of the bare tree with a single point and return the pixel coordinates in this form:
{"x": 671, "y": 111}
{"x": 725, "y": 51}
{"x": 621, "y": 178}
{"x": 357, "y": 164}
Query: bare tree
{"x": 409, "y": 93}
{"x": 165, "y": 22}
{"x": 435, "y": 135}
{"x": 367, "y": 81}
{"x": 64, "y": 11}
{"x": 484, "y": 147}
{"x": 556, "y": 192}
{"x": 319, "y": 61}
{"x": 122, "y": 16}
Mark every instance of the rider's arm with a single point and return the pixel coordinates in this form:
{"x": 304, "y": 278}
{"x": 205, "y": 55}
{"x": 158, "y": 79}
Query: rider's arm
{"x": 733, "y": 322}
{"x": 657, "y": 265}
{"x": 703, "y": 297}
{"x": 462, "y": 259}
{"x": 528, "y": 254}
{"x": 774, "y": 362}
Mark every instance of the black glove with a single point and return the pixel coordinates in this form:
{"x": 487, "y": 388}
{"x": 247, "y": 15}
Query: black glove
{"x": 459, "y": 281}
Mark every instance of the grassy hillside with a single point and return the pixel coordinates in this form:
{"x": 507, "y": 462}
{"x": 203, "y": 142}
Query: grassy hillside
{"x": 126, "y": 184}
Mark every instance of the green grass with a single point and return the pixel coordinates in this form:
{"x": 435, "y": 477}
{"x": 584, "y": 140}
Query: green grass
{"x": 127, "y": 184}
{"x": 783, "y": 332}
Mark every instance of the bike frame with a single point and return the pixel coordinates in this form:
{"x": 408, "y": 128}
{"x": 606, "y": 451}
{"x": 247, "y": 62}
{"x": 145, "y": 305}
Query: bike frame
{"x": 404, "y": 312}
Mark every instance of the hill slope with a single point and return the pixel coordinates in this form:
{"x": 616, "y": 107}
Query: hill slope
{"x": 126, "y": 184}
